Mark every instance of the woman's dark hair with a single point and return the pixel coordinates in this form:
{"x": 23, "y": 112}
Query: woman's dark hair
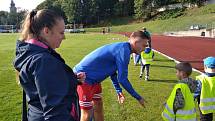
{"x": 35, "y": 21}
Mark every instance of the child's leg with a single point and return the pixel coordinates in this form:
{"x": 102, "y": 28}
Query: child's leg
{"x": 153, "y": 55}
{"x": 142, "y": 70}
{"x": 147, "y": 72}
{"x": 134, "y": 58}
{"x": 206, "y": 117}
{"x": 137, "y": 59}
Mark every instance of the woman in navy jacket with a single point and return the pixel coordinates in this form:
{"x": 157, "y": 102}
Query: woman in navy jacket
{"x": 50, "y": 85}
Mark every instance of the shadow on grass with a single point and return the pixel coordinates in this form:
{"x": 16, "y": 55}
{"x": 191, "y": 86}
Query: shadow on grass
{"x": 164, "y": 60}
{"x": 163, "y": 66}
{"x": 153, "y": 65}
{"x": 168, "y": 60}
{"x": 163, "y": 80}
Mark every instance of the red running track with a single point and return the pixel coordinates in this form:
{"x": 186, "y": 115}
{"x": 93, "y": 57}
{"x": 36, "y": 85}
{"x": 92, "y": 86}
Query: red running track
{"x": 191, "y": 49}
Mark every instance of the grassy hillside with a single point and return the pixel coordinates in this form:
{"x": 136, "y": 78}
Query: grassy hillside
{"x": 204, "y": 15}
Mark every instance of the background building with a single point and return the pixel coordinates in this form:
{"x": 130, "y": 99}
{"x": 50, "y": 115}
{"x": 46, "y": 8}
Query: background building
{"x": 13, "y": 8}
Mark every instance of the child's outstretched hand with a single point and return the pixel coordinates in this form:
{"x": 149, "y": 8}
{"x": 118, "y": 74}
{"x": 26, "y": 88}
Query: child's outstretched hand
{"x": 142, "y": 102}
{"x": 121, "y": 98}
{"x": 81, "y": 76}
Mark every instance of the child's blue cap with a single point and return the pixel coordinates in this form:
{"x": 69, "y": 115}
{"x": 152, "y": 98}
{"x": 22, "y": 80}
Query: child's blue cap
{"x": 147, "y": 50}
{"x": 209, "y": 62}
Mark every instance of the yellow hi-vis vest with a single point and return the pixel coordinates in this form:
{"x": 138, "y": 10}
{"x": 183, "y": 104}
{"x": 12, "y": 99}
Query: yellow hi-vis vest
{"x": 187, "y": 113}
{"x": 207, "y": 97}
{"x": 146, "y": 58}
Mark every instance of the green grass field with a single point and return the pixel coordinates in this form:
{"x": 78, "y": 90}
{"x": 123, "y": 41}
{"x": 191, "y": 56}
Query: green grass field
{"x": 73, "y": 49}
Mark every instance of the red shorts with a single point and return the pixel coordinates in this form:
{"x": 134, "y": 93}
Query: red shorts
{"x": 87, "y": 93}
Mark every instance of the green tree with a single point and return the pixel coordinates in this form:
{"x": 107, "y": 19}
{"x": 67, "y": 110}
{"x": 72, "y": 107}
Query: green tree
{"x": 95, "y": 11}
{"x": 70, "y": 7}
{"x": 199, "y": 3}
{"x": 124, "y": 8}
{"x": 160, "y": 3}
{"x": 106, "y": 8}
{"x": 143, "y": 8}
{"x": 20, "y": 17}
{"x": 54, "y": 5}
{"x": 12, "y": 19}
{"x": 119, "y": 9}
{"x": 90, "y": 10}
{"x": 3, "y": 17}
{"x": 130, "y": 7}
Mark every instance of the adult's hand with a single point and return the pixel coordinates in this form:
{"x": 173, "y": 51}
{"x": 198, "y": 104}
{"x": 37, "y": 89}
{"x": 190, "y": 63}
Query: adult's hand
{"x": 121, "y": 98}
{"x": 81, "y": 76}
{"x": 142, "y": 102}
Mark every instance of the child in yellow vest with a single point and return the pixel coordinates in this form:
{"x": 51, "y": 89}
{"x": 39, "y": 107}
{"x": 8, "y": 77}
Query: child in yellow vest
{"x": 180, "y": 104}
{"x": 146, "y": 60}
{"x": 206, "y": 98}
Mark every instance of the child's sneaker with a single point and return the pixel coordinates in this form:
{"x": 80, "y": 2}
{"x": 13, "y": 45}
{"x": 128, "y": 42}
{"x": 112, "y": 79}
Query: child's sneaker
{"x": 141, "y": 76}
{"x": 146, "y": 78}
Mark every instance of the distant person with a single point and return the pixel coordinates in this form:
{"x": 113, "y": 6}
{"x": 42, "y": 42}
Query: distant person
{"x": 146, "y": 61}
{"x": 108, "y": 61}
{"x": 103, "y": 30}
{"x": 108, "y": 29}
{"x": 180, "y": 105}
{"x": 50, "y": 85}
{"x": 206, "y": 98}
{"x": 149, "y": 35}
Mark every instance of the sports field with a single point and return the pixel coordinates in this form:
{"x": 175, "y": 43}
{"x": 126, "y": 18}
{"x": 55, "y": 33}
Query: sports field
{"x": 73, "y": 49}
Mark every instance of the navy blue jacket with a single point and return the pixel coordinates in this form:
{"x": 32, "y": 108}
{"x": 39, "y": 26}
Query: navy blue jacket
{"x": 50, "y": 85}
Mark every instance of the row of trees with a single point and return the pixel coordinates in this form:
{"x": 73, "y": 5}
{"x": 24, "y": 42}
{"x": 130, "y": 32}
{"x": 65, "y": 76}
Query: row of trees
{"x": 7, "y": 18}
{"x": 90, "y": 11}
{"x": 94, "y": 11}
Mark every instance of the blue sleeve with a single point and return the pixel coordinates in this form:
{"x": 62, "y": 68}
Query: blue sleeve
{"x": 52, "y": 86}
{"x": 122, "y": 61}
{"x": 198, "y": 89}
{"x": 116, "y": 83}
